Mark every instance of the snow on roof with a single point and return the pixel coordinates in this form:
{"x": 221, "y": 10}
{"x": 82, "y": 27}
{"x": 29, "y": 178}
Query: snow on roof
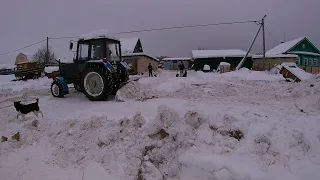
{"x": 102, "y": 33}
{"x": 128, "y": 44}
{"x": 275, "y": 56}
{"x": 140, "y": 54}
{"x": 289, "y": 64}
{"x": 7, "y": 66}
{"x": 30, "y": 57}
{"x": 177, "y": 59}
{"x": 284, "y": 47}
{"x": 219, "y": 53}
{"x": 224, "y": 64}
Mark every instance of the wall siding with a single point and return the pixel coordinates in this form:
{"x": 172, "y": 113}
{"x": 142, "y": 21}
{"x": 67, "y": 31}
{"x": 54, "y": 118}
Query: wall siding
{"x": 214, "y": 62}
{"x": 302, "y": 59}
{"x": 308, "y": 47}
{"x": 170, "y": 65}
{"x": 143, "y": 62}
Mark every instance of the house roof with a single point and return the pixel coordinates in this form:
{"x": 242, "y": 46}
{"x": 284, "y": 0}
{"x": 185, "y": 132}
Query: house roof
{"x": 140, "y": 54}
{"x": 219, "y": 53}
{"x": 177, "y": 59}
{"x": 284, "y": 47}
{"x": 128, "y": 44}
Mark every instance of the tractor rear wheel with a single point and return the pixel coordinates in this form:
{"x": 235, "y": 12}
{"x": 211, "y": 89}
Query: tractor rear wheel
{"x": 96, "y": 84}
{"x": 56, "y": 89}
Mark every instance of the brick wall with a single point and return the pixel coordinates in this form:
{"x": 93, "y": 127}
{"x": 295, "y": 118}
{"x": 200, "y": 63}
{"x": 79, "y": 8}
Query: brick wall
{"x": 269, "y": 63}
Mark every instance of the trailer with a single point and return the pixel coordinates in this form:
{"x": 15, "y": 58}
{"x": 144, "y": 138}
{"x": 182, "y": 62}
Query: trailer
{"x": 29, "y": 70}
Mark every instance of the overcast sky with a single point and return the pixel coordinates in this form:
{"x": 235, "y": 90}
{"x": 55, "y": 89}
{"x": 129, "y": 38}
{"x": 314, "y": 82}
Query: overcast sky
{"x": 24, "y": 22}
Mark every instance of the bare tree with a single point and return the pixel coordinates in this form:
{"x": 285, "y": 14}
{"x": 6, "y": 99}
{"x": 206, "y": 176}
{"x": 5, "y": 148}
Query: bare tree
{"x": 44, "y": 56}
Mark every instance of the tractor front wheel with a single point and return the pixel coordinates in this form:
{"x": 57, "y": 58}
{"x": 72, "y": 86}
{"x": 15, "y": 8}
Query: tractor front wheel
{"x": 56, "y": 89}
{"x": 96, "y": 84}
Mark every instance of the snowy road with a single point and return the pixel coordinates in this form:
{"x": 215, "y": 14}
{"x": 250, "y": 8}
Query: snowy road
{"x": 172, "y": 128}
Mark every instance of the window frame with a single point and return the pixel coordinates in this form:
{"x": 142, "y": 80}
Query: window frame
{"x": 315, "y": 61}
{"x": 305, "y": 61}
{"x": 310, "y": 61}
{"x": 80, "y": 50}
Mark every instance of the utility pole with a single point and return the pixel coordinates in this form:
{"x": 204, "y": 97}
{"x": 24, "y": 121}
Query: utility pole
{"x": 47, "y": 56}
{"x": 284, "y": 37}
{"x": 264, "y": 40}
{"x": 245, "y": 57}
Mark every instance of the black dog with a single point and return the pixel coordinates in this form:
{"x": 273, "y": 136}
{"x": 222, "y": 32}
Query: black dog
{"x": 25, "y": 109}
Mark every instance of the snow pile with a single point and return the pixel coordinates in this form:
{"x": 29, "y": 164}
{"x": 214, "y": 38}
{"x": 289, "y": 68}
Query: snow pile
{"x": 247, "y": 74}
{"x": 131, "y": 90}
{"x": 206, "y": 67}
{"x": 128, "y": 148}
{"x": 13, "y": 87}
{"x": 308, "y": 88}
{"x": 51, "y": 69}
{"x": 276, "y": 69}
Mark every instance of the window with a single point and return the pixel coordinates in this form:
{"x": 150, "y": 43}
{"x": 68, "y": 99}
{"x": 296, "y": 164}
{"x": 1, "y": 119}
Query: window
{"x": 298, "y": 61}
{"x": 83, "y": 52}
{"x": 113, "y": 51}
{"x": 303, "y": 46}
{"x": 97, "y": 50}
{"x": 310, "y": 61}
{"x": 305, "y": 61}
{"x": 315, "y": 62}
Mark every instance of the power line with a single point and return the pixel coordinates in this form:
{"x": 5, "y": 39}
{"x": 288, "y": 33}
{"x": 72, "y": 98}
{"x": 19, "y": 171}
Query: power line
{"x": 71, "y": 37}
{"x": 187, "y": 26}
{"x": 274, "y": 41}
{"x": 144, "y": 30}
{"x": 23, "y": 47}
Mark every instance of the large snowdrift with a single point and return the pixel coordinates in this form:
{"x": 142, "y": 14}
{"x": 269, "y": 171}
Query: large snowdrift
{"x": 237, "y": 125}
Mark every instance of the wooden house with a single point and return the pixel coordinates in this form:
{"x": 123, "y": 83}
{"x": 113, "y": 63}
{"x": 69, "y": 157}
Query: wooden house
{"x": 308, "y": 55}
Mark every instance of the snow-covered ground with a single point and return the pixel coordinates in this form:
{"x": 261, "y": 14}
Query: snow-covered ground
{"x": 242, "y": 125}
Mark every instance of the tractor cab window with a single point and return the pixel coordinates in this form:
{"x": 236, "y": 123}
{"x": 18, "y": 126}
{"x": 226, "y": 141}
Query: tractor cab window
{"x": 113, "y": 53}
{"x": 83, "y": 52}
{"x": 96, "y": 50}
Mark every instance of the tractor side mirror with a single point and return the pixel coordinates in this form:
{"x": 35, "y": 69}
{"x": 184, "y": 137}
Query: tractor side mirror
{"x": 71, "y": 46}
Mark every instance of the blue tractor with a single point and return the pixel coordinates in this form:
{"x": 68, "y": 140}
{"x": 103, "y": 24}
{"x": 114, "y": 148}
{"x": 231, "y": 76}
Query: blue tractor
{"x": 97, "y": 69}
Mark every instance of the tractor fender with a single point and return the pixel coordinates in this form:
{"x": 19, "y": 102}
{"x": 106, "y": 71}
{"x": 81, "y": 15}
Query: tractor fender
{"x": 105, "y": 65}
{"x": 64, "y": 84}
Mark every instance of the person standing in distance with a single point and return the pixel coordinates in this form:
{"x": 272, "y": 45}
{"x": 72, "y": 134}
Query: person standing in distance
{"x": 150, "y": 68}
{"x": 181, "y": 68}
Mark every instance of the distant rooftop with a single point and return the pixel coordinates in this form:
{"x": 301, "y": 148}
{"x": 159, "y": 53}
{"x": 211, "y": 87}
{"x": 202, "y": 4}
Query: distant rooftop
{"x": 128, "y": 44}
{"x": 284, "y": 47}
{"x": 177, "y": 59}
{"x": 219, "y": 53}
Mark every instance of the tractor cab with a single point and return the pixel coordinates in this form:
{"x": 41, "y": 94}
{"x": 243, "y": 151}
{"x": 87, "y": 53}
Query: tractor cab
{"x": 105, "y": 49}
